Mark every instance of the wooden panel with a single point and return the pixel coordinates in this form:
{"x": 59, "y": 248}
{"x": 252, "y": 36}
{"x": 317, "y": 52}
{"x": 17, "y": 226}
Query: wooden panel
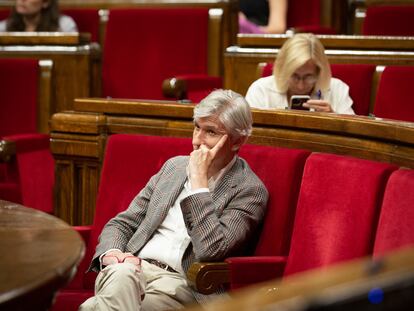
{"x": 79, "y": 138}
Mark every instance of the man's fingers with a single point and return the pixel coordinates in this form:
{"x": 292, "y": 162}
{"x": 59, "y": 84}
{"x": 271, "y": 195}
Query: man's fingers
{"x": 219, "y": 144}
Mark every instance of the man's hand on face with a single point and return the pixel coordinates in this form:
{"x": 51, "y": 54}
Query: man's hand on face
{"x": 200, "y": 163}
{"x": 116, "y": 256}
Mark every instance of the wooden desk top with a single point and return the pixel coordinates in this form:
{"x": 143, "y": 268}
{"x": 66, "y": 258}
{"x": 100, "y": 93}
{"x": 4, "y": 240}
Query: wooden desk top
{"x": 39, "y": 255}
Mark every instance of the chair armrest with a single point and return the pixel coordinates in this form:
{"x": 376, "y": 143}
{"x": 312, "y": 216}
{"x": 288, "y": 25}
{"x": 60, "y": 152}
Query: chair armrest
{"x": 85, "y": 233}
{"x": 7, "y": 150}
{"x": 244, "y": 271}
{"x": 181, "y": 87}
{"x": 13, "y": 144}
{"x": 207, "y": 277}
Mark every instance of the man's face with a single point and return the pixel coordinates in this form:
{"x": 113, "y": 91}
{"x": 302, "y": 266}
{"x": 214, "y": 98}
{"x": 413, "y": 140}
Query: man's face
{"x": 207, "y": 132}
{"x": 30, "y": 7}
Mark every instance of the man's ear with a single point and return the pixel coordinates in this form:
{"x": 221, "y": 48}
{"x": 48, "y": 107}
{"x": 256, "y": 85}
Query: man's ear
{"x": 238, "y": 143}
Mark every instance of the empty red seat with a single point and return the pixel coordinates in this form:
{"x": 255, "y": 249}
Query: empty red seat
{"x": 394, "y": 98}
{"x": 27, "y": 177}
{"x": 305, "y": 16}
{"x": 337, "y": 212}
{"x": 396, "y": 223}
{"x": 389, "y": 20}
{"x": 139, "y": 54}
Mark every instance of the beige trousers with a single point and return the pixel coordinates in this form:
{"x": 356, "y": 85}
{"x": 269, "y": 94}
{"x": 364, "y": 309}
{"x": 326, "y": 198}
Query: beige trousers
{"x": 120, "y": 287}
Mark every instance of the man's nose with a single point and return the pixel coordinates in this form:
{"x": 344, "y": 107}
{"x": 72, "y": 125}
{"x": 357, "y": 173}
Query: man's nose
{"x": 198, "y": 137}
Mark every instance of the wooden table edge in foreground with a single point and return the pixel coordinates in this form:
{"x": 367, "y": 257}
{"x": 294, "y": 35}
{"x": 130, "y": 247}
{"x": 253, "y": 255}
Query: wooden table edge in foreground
{"x": 40, "y": 254}
{"x": 383, "y": 283}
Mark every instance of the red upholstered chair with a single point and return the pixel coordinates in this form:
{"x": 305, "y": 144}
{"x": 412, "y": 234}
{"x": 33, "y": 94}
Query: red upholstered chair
{"x": 394, "y": 98}
{"x": 26, "y": 163}
{"x": 359, "y": 79}
{"x": 396, "y": 223}
{"x": 389, "y": 20}
{"x": 305, "y": 16}
{"x": 130, "y": 161}
{"x": 86, "y": 19}
{"x": 335, "y": 220}
{"x": 281, "y": 170}
{"x": 357, "y": 76}
{"x": 139, "y": 54}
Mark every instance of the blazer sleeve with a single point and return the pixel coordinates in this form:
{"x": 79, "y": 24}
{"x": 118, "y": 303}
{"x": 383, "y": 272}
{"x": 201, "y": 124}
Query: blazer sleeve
{"x": 216, "y": 235}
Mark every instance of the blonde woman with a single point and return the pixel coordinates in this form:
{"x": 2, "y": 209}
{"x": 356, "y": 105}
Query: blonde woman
{"x": 301, "y": 68}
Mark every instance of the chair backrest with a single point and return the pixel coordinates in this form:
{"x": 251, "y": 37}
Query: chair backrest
{"x": 86, "y": 19}
{"x": 337, "y": 211}
{"x": 281, "y": 170}
{"x": 357, "y": 76}
{"x": 304, "y": 13}
{"x": 394, "y": 98}
{"x": 143, "y": 47}
{"x": 129, "y": 163}
{"x": 389, "y": 20}
{"x": 396, "y": 223}
{"x": 359, "y": 79}
{"x": 19, "y": 80}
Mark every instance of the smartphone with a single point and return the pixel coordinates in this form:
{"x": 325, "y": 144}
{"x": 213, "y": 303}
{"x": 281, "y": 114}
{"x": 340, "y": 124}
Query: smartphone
{"x": 297, "y": 101}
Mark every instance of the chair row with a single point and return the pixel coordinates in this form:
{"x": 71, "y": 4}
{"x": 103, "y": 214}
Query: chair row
{"x": 323, "y": 209}
{"x": 382, "y": 91}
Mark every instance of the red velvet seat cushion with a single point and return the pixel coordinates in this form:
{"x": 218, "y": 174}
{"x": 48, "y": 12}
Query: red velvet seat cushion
{"x": 389, "y": 20}
{"x": 337, "y": 212}
{"x": 396, "y": 223}
{"x": 394, "y": 98}
{"x": 139, "y": 54}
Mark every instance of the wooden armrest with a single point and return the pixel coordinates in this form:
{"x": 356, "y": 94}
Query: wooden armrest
{"x": 174, "y": 88}
{"x": 7, "y": 150}
{"x": 207, "y": 277}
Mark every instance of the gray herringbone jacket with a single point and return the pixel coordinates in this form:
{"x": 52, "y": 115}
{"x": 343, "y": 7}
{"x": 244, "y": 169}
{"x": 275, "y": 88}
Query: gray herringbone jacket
{"x": 218, "y": 223}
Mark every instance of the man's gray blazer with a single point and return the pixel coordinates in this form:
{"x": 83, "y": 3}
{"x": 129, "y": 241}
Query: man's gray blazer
{"x": 219, "y": 223}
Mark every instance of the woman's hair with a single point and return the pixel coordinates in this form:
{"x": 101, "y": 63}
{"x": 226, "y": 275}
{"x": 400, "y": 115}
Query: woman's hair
{"x": 230, "y": 108}
{"x": 294, "y": 53}
{"x": 49, "y": 19}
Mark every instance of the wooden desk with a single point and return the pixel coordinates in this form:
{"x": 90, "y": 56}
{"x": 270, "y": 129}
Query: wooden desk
{"x": 78, "y": 140}
{"x": 39, "y": 254}
{"x": 241, "y": 61}
{"x": 345, "y": 286}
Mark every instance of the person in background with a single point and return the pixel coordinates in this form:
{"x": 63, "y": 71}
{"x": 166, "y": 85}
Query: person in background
{"x": 263, "y": 16}
{"x": 37, "y": 15}
{"x": 301, "y": 68}
{"x": 201, "y": 207}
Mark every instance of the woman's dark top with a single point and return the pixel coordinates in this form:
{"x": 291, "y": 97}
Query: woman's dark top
{"x": 256, "y": 11}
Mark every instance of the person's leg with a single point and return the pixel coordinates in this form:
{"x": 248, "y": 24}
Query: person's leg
{"x": 165, "y": 290}
{"x": 117, "y": 287}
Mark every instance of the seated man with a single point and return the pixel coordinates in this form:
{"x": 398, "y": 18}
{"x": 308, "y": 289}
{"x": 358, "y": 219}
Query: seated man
{"x": 201, "y": 207}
